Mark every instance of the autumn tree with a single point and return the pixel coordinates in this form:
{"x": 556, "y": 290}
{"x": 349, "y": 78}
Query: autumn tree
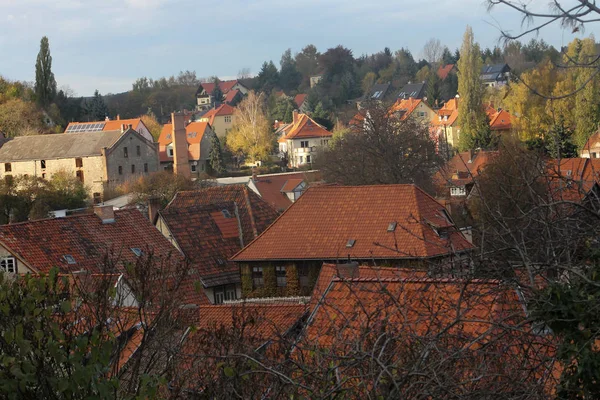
{"x": 155, "y": 128}
{"x": 587, "y": 100}
{"x": 472, "y": 119}
{"x": 45, "y": 84}
{"x": 433, "y": 51}
{"x": 251, "y": 133}
{"x": 18, "y": 117}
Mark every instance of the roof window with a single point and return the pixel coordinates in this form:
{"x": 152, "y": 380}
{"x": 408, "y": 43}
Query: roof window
{"x": 69, "y": 259}
{"x": 350, "y": 243}
{"x": 137, "y": 251}
{"x": 392, "y": 226}
{"x": 226, "y": 213}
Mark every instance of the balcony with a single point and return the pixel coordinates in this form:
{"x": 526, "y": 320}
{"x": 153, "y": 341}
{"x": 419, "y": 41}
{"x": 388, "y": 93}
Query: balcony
{"x": 305, "y": 150}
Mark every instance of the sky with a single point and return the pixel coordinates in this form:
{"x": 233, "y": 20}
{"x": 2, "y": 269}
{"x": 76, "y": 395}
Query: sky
{"x": 108, "y": 44}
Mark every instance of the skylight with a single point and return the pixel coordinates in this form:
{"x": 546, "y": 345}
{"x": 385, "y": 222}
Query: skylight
{"x": 226, "y": 213}
{"x": 392, "y": 226}
{"x": 350, "y": 243}
{"x": 137, "y": 251}
{"x": 69, "y": 259}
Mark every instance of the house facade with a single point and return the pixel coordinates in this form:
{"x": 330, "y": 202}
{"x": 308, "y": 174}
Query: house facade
{"x": 101, "y": 160}
{"x": 393, "y": 225}
{"x": 197, "y": 139}
{"x": 413, "y": 108}
{"x": 302, "y": 139}
{"x": 221, "y": 119}
{"x": 495, "y": 75}
{"x": 232, "y": 91}
{"x": 591, "y": 149}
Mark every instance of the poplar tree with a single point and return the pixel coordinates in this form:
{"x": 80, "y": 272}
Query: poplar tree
{"x": 587, "y": 99}
{"x": 472, "y": 119}
{"x": 215, "y": 157}
{"x": 45, "y": 84}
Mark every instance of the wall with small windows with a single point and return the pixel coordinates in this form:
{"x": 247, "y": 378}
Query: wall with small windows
{"x": 10, "y": 264}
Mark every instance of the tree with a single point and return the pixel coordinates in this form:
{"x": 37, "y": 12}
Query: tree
{"x": 215, "y": 157}
{"x": 472, "y": 118}
{"x": 381, "y": 150}
{"x": 161, "y": 186}
{"x": 95, "y": 109}
{"x": 307, "y": 63}
{"x": 18, "y": 116}
{"x": 423, "y": 74}
{"x": 587, "y": 100}
{"x": 268, "y": 77}
{"x": 448, "y": 57}
{"x": 433, "y": 51}
{"x": 289, "y": 77}
{"x": 433, "y": 89}
{"x": 368, "y": 82}
{"x": 283, "y": 109}
{"x": 217, "y": 93}
{"x": 251, "y": 133}
{"x": 45, "y": 84}
{"x": 155, "y": 128}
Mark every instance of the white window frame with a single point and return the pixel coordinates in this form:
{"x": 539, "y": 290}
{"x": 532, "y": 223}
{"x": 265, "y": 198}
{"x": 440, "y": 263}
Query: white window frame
{"x": 8, "y": 264}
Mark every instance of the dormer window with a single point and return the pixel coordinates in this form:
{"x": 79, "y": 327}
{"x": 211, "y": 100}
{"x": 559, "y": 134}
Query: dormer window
{"x": 69, "y": 259}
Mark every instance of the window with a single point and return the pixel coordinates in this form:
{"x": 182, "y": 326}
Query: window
{"x": 257, "y": 277}
{"x": 43, "y": 164}
{"x": 226, "y": 213}
{"x": 145, "y": 167}
{"x": 301, "y": 158}
{"x": 350, "y": 243}
{"x": 125, "y": 152}
{"x": 8, "y": 264}
{"x": 132, "y": 169}
{"x": 281, "y": 277}
{"x": 170, "y": 152}
{"x": 228, "y": 118}
{"x": 7, "y": 167}
{"x": 97, "y": 197}
{"x": 78, "y": 163}
{"x": 303, "y": 275}
{"x": 594, "y": 155}
{"x": 326, "y": 142}
{"x": 79, "y": 175}
{"x": 120, "y": 170}
{"x": 69, "y": 259}
{"x": 193, "y": 168}
{"x": 224, "y": 293}
{"x": 138, "y": 151}
{"x": 392, "y": 226}
{"x": 304, "y": 143}
{"x": 458, "y": 191}
{"x": 307, "y": 159}
{"x": 43, "y": 175}
{"x": 137, "y": 251}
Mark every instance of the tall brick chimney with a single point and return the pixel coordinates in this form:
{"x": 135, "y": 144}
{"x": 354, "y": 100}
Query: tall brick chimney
{"x": 181, "y": 162}
{"x": 294, "y": 116}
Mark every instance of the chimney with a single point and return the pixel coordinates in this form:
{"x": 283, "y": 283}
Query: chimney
{"x": 181, "y": 164}
{"x": 106, "y": 118}
{"x": 348, "y": 270}
{"x": 471, "y": 154}
{"x": 295, "y": 116}
{"x": 153, "y": 208}
{"x": 122, "y": 128}
{"x": 130, "y": 126}
{"x": 118, "y": 117}
{"x": 106, "y": 214}
{"x": 254, "y": 177}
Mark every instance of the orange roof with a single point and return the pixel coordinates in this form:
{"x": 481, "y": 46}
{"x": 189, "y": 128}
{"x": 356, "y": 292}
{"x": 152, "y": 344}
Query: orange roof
{"x": 271, "y": 187}
{"x": 111, "y": 125}
{"x": 306, "y": 127}
{"x": 443, "y": 71}
{"x": 222, "y": 110}
{"x": 353, "y": 221}
{"x": 195, "y": 132}
{"x": 591, "y": 142}
{"x": 224, "y": 85}
{"x": 230, "y": 96}
{"x": 463, "y": 167}
{"x": 446, "y": 115}
{"x": 405, "y": 107}
{"x": 500, "y": 120}
{"x": 299, "y": 99}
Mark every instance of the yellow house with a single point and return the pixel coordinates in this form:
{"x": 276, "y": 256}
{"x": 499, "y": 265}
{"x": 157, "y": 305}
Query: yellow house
{"x": 220, "y": 119}
{"x": 102, "y": 160}
{"x": 413, "y": 108}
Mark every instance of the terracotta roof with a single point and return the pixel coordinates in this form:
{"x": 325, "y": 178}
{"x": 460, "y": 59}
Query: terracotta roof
{"x": 43, "y": 244}
{"x": 231, "y": 95}
{"x": 110, "y": 125}
{"x": 224, "y": 85}
{"x": 195, "y": 133}
{"x": 572, "y": 179}
{"x": 405, "y": 107}
{"x": 306, "y": 127}
{"x": 443, "y": 71}
{"x": 299, "y": 99}
{"x": 272, "y": 187}
{"x": 291, "y": 184}
{"x": 448, "y": 114}
{"x": 352, "y": 221}
{"x": 222, "y": 110}
{"x": 500, "y": 120}
{"x": 461, "y": 169}
{"x": 208, "y": 236}
{"x": 592, "y": 142}
{"x": 255, "y": 213}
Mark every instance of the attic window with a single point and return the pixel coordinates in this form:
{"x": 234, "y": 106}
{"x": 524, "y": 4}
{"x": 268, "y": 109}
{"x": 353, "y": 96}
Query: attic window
{"x": 137, "y": 251}
{"x": 220, "y": 261}
{"x": 226, "y": 213}
{"x": 350, "y": 243}
{"x": 169, "y": 136}
{"x": 69, "y": 259}
{"x": 569, "y": 173}
{"x": 442, "y": 233}
{"x": 392, "y": 226}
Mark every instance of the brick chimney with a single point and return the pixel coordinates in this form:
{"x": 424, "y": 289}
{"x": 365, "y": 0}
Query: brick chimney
{"x": 153, "y": 208}
{"x": 118, "y": 117}
{"x": 181, "y": 162}
{"x": 106, "y": 214}
{"x": 295, "y": 116}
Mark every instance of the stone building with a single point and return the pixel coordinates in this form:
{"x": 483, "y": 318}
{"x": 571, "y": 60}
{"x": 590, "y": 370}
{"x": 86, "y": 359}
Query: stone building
{"x": 102, "y": 160}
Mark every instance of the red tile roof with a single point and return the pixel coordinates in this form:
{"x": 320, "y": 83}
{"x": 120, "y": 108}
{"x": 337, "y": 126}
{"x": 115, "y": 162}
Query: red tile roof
{"x": 405, "y": 107}
{"x": 222, "y": 110}
{"x": 195, "y": 133}
{"x": 448, "y": 114}
{"x": 291, "y": 184}
{"x": 255, "y": 213}
{"x": 331, "y": 216}
{"x": 461, "y": 169}
{"x": 272, "y": 187}
{"x": 231, "y": 95}
{"x": 299, "y": 99}
{"x": 500, "y": 120}
{"x": 306, "y": 127}
{"x": 224, "y": 85}
{"x": 444, "y": 70}
{"x": 112, "y": 125}
{"x": 43, "y": 244}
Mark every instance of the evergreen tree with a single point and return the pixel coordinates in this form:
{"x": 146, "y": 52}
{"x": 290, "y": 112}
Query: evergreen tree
{"x": 95, "y": 108}
{"x": 217, "y": 93}
{"x": 45, "y": 84}
{"x": 559, "y": 141}
{"x": 215, "y": 157}
{"x": 433, "y": 89}
{"x": 289, "y": 77}
{"x": 268, "y": 77}
{"x": 472, "y": 119}
{"x": 447, "y": 57}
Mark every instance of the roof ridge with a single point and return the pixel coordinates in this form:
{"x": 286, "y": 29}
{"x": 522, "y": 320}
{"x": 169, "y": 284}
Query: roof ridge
{"x": 495, "y": 282}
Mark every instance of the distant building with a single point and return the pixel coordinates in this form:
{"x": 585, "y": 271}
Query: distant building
{"x": 315, "y": 79}
{"x": 111, "y": 125}
{"x": 197, "y": 139}
{"x": 300, "y": 101}
{"x": 377, "y": 92}
{"x": 495, "y": 75}
{"x": 591, "y": 149}
{"x": 221, "y": 119}
{"x": 412, "y": 90}
{"x": 413, "y": 108}
{"x": 301, "y": 140}
{"x": 102, "y": 160}
{"x": 445, "y": 70}
{"x": 232, "y": 90}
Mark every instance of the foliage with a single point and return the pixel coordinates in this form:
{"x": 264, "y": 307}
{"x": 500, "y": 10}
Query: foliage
{"x": 217, "y": 93}
{"x": 383, "y": 150}
{"x": 161, "y": 185}
{"x": 95, "y": 109}
{"x": 472, "y": 119}
{"x": 587, "y": 100}
{"x": 18, "y": 116}
{"x": 152, "y": 124}
{"x": 215, "y": 157}
{"x": 45, "y": 84}
{"x": 289, "y": 77}
{"x": 283, "y": 109}
{"x": 268, "y": 77}
{"x": 251, "y": 133}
